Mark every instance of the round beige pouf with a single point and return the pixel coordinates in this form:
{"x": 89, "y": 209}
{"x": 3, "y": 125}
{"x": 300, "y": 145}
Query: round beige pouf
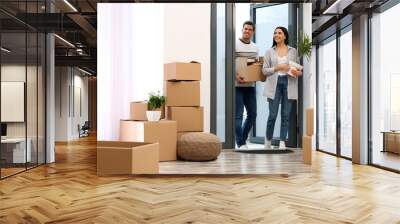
{"x": 198, "y": 146}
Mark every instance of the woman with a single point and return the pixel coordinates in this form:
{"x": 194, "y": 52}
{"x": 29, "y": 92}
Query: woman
{"x": 280, "y": 87}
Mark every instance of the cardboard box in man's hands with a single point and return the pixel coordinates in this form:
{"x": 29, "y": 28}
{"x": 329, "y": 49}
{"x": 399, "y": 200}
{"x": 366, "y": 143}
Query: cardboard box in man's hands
{"x": 250, "y": 73}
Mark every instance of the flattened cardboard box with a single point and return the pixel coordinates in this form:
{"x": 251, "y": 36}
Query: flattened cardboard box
{"x": 183, "y": 93}
{"x": 250, "y": 73}
{"x": 115, "y": 157}
{"x": 182, "y": 71}
{"x": 189, "y": 119}
{"x": 310, "y": 121}
{"x": 307, "y": 149}
{"x": 163, "y": 132}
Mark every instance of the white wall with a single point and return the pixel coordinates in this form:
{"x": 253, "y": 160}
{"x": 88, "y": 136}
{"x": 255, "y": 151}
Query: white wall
{"x": 15, "y": 72}
{"x": 309, "y": 72}
{"x": 131, "y": 55}
{"x": 129, "y": 60}
{"x": 34, "y": 124}
{"x": 81, "y": 84}
{"x": 67, "y": 114}
{"x": 187, "y": 38}
{"x": 62, "y": 82}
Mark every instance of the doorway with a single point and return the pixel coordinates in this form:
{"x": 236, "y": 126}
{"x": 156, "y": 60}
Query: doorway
{"x": 226, "y": 28}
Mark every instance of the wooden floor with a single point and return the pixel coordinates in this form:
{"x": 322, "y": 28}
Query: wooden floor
{"x": 231, "y": 162}
{"x": 10, "y": 171}
{"x": 331, "y": 191}
{"x": 386, "y": 159}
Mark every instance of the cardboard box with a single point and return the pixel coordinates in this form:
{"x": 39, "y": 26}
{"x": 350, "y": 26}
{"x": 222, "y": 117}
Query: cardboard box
{"x": 163, "y": 132}
{"x": 138, "y": 111}
{"x": 182, "y": 71}
{"x": 115, "y": 157}
{"x": 310, "y": 121}
{"x": 250, "y": 73}
{"x": 307, "y": 149}
{"x": 189, "y": 119}
{"x": 183, "y": 93}
{"x": 392, "y": 142}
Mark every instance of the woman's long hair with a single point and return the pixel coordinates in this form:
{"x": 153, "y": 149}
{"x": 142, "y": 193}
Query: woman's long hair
{"x": 285, "y": 32}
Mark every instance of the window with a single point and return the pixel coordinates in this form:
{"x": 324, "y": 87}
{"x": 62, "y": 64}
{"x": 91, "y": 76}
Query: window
{"x": 23, "y": 78}
{"x": 327, "y": 96}
{"x": 346, "y": 93}
{"x": 385, "y": 86}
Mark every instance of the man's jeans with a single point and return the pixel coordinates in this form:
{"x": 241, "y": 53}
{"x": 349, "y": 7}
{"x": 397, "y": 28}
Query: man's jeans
{"x": 281, "y": 97}
{"x": 245, "y": 97}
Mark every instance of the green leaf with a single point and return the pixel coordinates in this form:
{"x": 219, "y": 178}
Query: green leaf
{"x": 304, "y": 45}
{"x": 156, "y": 101}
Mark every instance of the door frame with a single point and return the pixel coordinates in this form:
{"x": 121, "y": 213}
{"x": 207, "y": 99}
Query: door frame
{"x": 229, "y": 142}
{"x": 230, "y": 38}
{"x": 333, "y": 36}
{"x": 293, "y": 135}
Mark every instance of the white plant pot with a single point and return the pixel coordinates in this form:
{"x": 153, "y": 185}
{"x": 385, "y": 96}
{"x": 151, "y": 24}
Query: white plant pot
{"x": 153, "y": 115}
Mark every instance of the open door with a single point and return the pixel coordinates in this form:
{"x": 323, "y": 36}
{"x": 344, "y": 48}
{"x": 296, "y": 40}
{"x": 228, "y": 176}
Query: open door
{"x": 266, "y": 18}
{"x": 224, "y": 19}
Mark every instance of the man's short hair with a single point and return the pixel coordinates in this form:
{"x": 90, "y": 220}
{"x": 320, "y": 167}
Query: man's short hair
{"x": 250, "y": 23}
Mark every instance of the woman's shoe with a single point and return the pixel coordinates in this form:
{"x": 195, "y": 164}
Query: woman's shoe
{"x": 267, "y": 144}
{"x": 244, "y": 147}
{"x": 282, "y": 145}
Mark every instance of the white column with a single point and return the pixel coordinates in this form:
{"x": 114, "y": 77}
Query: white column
{"x": 309, "y": 72}
{"x": 360, "y": 90}
{"x": 50, "y": 99}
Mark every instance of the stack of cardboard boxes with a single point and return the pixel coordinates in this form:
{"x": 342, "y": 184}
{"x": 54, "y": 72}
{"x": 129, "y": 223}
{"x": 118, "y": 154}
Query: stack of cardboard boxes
{"x": 138, "y": 129}
{"x": 142, "y": 143}
{"x": 182, "y": 90}
{"x": 307, "y": 138}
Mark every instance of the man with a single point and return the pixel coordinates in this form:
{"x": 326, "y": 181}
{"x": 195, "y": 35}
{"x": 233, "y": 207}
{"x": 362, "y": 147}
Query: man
{"x": 245, "y": 91}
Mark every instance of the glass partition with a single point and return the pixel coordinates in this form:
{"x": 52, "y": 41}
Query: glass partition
{"x": 327, "y": 96}
{"x": 385, "y": 89}
{"x": 346, "y": 93}
{"x": 22, "y": 88}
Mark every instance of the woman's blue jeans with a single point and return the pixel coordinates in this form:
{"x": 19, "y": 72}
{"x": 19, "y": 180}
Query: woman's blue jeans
{"x": 281, "y": 97}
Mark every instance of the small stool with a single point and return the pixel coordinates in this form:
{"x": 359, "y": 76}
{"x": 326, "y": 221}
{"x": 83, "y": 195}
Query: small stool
{"x": 198, "y": 146}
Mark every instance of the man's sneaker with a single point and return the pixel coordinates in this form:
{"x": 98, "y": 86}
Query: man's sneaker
{"x": 267, "y": 144}
{"x": 282, "y": 145}
{"x": 243, "y": 147}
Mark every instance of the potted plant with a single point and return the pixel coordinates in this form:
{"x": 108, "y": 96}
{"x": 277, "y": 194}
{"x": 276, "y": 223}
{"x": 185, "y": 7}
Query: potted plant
{"x": 304, "y": 46}
{"x": 154, "y": 105}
